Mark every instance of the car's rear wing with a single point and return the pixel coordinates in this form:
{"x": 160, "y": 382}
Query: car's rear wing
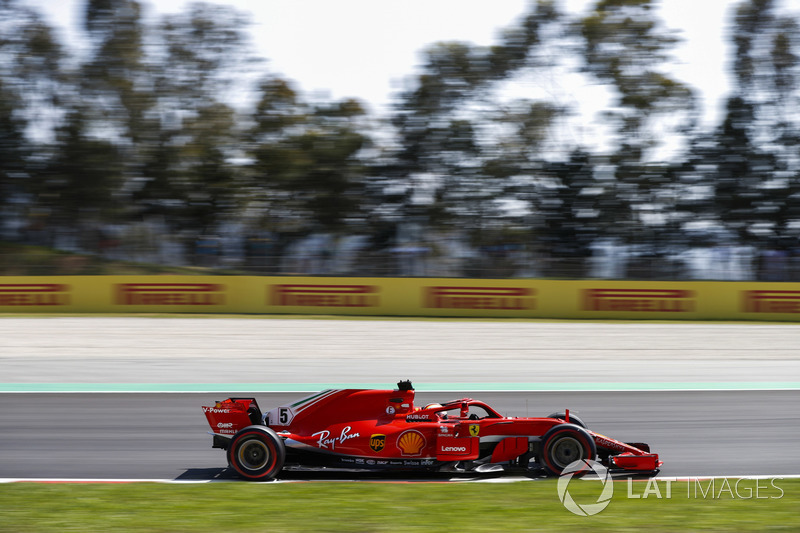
{"x": 230, "y": 415}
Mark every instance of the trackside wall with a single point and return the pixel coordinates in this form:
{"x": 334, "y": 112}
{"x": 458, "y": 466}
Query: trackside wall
{"x": 447, "y": 297}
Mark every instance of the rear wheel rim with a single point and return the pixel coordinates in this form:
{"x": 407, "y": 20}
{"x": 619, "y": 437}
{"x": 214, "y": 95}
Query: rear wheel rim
{"x": 565, "y": 451}
{"x": 254, "y": 455}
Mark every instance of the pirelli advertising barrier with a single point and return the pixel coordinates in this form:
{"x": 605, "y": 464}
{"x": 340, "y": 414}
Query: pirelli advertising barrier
{"x": 510, "y": 298}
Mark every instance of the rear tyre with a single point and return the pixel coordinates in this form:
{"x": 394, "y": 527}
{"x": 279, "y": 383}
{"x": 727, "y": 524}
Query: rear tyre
{"x": 564, "y": 444}
{"x": 257, "y": 453}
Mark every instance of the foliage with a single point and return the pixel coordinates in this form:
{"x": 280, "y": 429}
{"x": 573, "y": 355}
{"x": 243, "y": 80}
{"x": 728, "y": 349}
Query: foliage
{"x": 143, "y": 125}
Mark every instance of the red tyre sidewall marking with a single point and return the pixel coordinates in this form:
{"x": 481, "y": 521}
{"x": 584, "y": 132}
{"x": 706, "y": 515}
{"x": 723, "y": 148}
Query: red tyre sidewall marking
{"x": 575, "y": 433}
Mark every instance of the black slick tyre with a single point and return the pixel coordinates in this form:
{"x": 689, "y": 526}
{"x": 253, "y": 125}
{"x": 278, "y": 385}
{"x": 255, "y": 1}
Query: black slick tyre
{"x": 256, "y": 453}
{"x": 564, "y": 444}
{"x": 572, "y": 419}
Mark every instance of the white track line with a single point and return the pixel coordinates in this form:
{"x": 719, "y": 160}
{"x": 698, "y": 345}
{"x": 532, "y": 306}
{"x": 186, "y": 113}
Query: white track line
{"x": 491, "y": 480}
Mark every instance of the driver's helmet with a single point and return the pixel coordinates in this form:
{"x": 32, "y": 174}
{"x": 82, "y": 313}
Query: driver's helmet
{"x": 433, "y": 406}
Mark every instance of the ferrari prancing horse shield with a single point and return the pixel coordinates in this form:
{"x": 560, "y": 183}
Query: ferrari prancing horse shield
{"x": 474, "y": 430}
{"x": 377, "y": 442}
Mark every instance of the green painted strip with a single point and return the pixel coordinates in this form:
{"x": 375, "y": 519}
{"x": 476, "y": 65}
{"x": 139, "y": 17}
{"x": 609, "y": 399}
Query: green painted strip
{"x": 309, "y": 398}
{"x": 236, "y": 388}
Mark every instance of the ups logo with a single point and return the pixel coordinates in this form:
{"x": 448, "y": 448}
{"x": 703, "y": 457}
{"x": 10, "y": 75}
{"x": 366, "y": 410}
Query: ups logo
{"x": 377, "y": 442}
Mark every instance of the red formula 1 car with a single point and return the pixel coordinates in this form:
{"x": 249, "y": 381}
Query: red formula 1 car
{"x": 383, "y": 430}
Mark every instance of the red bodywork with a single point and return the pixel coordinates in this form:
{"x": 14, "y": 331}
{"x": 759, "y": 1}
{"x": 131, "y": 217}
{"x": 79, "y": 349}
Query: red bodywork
{"x": 360, "y": 428}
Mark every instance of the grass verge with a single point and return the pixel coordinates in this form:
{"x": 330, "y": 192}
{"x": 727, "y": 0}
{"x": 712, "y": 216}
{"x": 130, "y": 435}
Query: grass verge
{"x": 406, "y": 507}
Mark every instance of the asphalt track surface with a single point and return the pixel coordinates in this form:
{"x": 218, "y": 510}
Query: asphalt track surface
{"x": 163, "y": 436}
{"x": 737, "y": 413}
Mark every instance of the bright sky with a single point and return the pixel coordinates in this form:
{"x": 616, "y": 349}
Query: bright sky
{"x": 365, "y": 48}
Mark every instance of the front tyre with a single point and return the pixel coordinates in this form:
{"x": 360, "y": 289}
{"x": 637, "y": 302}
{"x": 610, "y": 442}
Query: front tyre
{"x": 564, "y": 444}
{"x": 257, "y": 453}
{"x": 572, "y": 419}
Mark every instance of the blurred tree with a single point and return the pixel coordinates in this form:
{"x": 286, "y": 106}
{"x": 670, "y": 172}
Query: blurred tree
{"x": 161, "y": 90}
{"x": 206, "y": 179}
{"x": 624, "y": 45}
{"x": 190, "y": 171}
{"x": 115, "y": 76}
{"x": 82, "y": 179}
{"x": 452, "y": 170}
{"x": 522, "y": 170}
{"x": 32, "y": 80}
{"x": 568, "y": 215}
{"x": 741, "y": 170}
{"x": 200, "y": 55}
{"x": 757, "y": 154}
{"x": 148, "y": 124}
{"x": 13, "y": 148}
{"x": 278, "y": 109}
{"x": 86, "y": 173}
{"x": 307, "y": 159}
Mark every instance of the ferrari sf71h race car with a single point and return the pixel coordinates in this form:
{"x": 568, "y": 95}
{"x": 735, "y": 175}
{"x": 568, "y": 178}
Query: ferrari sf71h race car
{"x": 383, "y": 430}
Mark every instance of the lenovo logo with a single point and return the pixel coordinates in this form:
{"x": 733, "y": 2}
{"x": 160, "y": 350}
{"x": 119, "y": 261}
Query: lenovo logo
{"x": 34, "y": 294}
{"x": 324, "y": 295}
{"x": 771, "y": 301}
{"x": 499, "y": 298}
{"x": 458, "y": 449}
{"x": 170, "y": 294}
{"x": 639, "y": 300}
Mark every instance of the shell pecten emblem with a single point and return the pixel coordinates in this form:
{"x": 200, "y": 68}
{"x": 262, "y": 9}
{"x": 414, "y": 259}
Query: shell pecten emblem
{"x": 411, "y": 442}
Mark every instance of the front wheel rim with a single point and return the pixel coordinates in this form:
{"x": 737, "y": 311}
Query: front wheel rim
{"x": 567, "y": 450}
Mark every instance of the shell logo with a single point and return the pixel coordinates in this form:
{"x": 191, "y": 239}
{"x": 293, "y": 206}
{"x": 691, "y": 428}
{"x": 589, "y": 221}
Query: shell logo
{"x": 411, "y": 442}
